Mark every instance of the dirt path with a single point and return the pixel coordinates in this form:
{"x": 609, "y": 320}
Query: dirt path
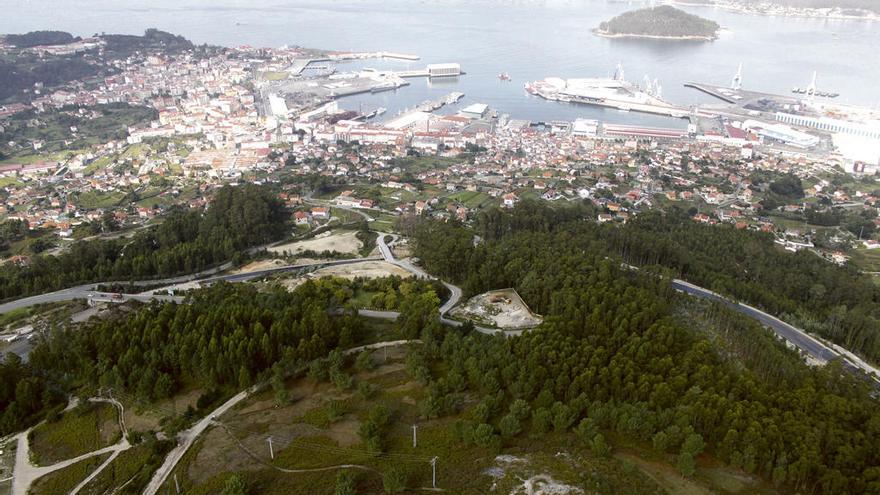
{"x": 25, "y": 473}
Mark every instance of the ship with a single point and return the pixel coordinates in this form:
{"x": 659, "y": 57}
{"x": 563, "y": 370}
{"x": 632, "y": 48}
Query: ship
{"x": 384, "y": 86}
{"x": 614, "y": 92}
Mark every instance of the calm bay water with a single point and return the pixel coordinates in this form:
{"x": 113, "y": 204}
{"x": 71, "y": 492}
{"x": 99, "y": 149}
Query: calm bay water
{"x": 528, "y": 39}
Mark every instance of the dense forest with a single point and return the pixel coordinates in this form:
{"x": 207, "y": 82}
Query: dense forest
{"x": 620, "y": 354}
{"x": 835, "y": 302}
{"x": 153, "y": 40}
{"x": 222, "y": 339}
{"x": 187, "y": 241}
{"x": 663, "y": 21}
{"x": 39, "y": 38}
{"x": 25, "y": 394}
{"x": 616, "y": 354}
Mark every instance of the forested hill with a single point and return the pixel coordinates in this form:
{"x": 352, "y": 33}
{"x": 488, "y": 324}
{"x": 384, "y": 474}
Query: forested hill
{"x": 663, "y": 22}
{"x": 835, "y": 302}
{"x": 39, "y": 38}
{"x": 612, "y": 355}
{"x": 187, "y": 241}
{"x": 20, "y": 69}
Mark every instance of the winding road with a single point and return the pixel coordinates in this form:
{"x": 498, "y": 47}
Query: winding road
{"x": 25, "y": 473}
{"x": 808, "y": 344}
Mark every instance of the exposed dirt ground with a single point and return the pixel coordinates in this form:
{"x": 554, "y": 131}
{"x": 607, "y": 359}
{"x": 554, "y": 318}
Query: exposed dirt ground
{"x": 366, "y": 269}
{"x": 500, "y": 308}
{"x": 343, "y": 242}
{"x": 260, "y": 265}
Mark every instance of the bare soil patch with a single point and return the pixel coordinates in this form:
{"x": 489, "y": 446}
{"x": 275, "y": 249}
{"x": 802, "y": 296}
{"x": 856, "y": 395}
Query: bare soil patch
{"x": 343, "y": 242}
{"x": 499, "y": 308}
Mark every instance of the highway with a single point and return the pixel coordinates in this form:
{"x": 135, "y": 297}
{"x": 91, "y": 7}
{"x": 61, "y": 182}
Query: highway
{"x": 23, "y": 345}
{"x": 799, "y": 338}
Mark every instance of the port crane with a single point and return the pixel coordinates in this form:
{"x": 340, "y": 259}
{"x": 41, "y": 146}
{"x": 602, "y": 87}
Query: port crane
{"x": 736, "y": 84}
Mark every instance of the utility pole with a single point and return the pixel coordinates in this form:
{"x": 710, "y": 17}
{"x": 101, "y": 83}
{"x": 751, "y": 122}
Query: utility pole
{"x": 415, "y": 438}
{"x": 434, "y": 472}
{"x": 271, "y": 451}
{"x": 176, "y": 484}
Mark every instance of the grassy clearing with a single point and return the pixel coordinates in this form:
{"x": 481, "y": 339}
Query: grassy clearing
{"x": 64, "y": 480}
{"x": 275, "y": 75}
{"x": 7, "y": 464}
{"x": 132, "y": 469}
{"x": 84, "y": 429}
{"x": 866, "y": 259}
{"x": 318, "y": 428}
{"x": 471, "y": 199}
{"x": 18, "y": 316}
{"x": 9, "y": 181}
{"x": 96, "y": 199}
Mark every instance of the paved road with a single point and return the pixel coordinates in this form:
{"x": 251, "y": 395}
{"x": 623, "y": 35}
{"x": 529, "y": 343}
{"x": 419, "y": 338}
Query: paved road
{"x": 186, "y": 439}
{"x": 82, "y": 291}
{"x": 25, "y": 473}
{"x": 799, "y": 338}
{"x": 23, "y": 346}
{"x": 454, "y": 292}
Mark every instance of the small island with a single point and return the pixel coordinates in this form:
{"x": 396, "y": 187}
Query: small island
{"x": 664, "y": 22}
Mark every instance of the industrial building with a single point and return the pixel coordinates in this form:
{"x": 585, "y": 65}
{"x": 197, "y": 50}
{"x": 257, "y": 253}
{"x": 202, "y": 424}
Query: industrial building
{"x": 585, "y": 127}
{"x": 613, "y": 130}
{"x": 444, "y": 70}
{"x": 831, "y": 125}
{"x": 475, "y": 111}
{"x": 781, "y": 133}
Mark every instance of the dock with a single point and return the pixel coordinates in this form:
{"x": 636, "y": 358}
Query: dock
{"x": 300, "y": 64}
{"x": 750, "y": 100}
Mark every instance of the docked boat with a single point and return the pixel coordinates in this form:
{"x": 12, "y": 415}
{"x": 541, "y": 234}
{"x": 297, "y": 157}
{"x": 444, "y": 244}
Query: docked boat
{"x": 385, "y": 86}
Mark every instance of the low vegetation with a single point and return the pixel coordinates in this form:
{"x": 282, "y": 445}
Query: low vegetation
{"x": 65, "y": 480}
{"x": 130, "y": 472}
{"x": 83, "y": 429}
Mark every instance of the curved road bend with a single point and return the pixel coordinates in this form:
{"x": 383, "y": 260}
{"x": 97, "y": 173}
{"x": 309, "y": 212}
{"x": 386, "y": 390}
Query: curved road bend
{"x": 799, "y": 338}
{"x": 25, "y": 473}
{"x": 454, "y": 291}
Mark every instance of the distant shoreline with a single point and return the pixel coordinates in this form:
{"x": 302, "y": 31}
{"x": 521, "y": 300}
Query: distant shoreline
{"x": 606, "y": 34}
{"x": 783, "y": 11}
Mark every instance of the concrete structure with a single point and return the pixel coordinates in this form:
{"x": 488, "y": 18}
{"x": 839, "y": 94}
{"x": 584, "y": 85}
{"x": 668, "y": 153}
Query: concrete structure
{"x": 782, "y": 133}
{"x": 585, "y": 127}
{"x": 613, "y": 130}
{"x": 476, "y": 111}
{"x": 444, "y": 70}
{"x": 871, "y": 131}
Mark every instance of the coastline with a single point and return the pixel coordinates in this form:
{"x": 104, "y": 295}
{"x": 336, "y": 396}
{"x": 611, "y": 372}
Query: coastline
{"x": 829, "y": 13}
{"x": 606, "y": 34}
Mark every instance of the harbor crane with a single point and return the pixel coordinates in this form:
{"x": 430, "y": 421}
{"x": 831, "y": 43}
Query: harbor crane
{"x": 736, "y": 84}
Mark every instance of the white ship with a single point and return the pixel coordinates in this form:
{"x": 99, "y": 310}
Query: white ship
{"x": 615, "y": 92}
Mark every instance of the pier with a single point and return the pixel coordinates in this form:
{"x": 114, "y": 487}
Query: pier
{"x": 750, "y": 100}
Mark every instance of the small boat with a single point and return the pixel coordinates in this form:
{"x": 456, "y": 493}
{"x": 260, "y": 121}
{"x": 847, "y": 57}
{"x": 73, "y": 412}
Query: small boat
{"x": 504, "y": 76}
{"x": 380, "y": 111}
